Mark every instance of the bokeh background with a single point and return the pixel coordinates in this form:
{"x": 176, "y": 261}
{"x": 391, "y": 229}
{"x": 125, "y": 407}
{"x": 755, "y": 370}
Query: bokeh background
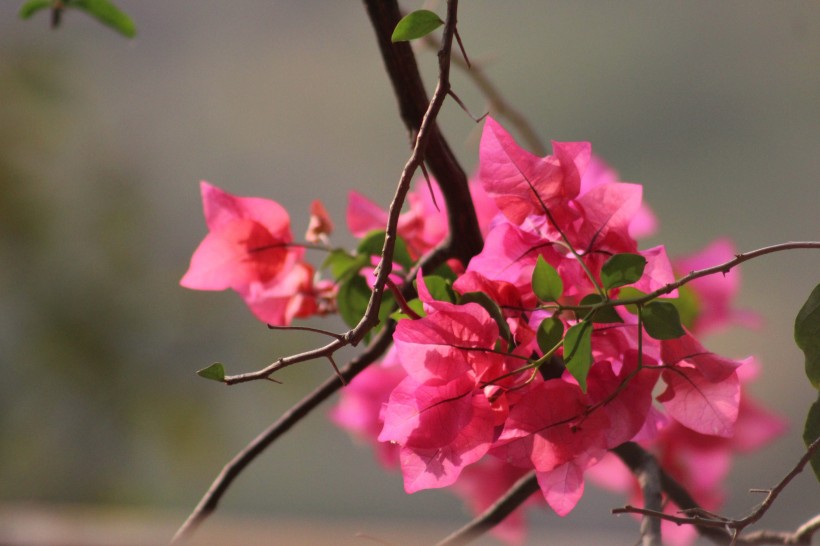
{"x": 105, "y": 429}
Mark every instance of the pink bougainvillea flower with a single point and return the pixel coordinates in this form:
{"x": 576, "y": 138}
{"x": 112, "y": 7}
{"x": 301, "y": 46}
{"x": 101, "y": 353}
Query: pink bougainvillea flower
{"x": 607, "y": 211}
{"x": 522, "y": 183}
{"x": 658, "y": 271}
{"x": 248, "y": 248}
{"x": 320, "y": 225}
{"x": 441, "y": 430}
{"x": 702, "y": 389}
{"x": 644, "y": 222}
{"x": 713, "y": 294}
{"x": 550, "y": 430}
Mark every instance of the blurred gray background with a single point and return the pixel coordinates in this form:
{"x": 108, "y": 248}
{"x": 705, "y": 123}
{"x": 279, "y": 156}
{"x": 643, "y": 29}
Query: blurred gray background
{"x": 713, "y": 106}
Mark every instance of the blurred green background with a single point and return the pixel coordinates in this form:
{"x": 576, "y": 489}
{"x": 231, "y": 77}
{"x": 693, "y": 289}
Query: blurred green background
{"x": 713, "y": 106}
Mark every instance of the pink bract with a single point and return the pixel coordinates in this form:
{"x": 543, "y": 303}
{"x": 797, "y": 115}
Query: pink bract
{"x": 522, "y": 184}
{"x": 248, "y": 249}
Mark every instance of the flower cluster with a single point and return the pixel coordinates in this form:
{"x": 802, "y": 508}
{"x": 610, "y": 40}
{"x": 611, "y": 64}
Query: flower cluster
{"x": 525, "y": 358}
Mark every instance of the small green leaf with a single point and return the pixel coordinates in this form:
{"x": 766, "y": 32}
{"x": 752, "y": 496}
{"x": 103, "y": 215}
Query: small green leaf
{"x": 661, "y": 320}
{"x": 811, "y": 431}
{"x": 373, "y": 243}
{"x": 439, "y": 288}
{"x": 493, "y": 309}
{"x": 342, "y": 265}
{"x": 416, "y": 25}
{"x": 546, "y": 282}
{"x": 622, "y": 269}
{"x": 33, "y": 6}
{"x": 415, "y": 304}
{"x": 687, "y": 304}
{"x": 446, "y": 272}
{"x": 214, "y": 372}
{"x": 602, "y": 315}
{"x": 354, "y": 295}
{"x": 628, "y": 293}
{"x": 807, "y": 335}
{"x": 578, "y": 352}
{"x": 549, "y": 333}
{"x": 108, "y": 14}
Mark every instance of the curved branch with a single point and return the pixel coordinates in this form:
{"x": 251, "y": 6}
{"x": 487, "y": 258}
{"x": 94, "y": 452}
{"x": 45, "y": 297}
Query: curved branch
{"x": 719, "y": 529}
{"x": 464, "y": 238}
{"x": 720, "y": 268}
{"x": 495, "y": 514}
{"x": 231, "y": 471}
{"x": 458, "y": 200}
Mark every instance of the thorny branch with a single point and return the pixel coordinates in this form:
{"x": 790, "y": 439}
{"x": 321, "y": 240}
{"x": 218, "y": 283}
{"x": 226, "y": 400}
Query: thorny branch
{"x": 727, "y": 531}
{"x": 231, "y": 471}
{"x": 642, "y": 463}
{"x": 404, "y": 75}
{"x": 430, "y": 147}
{"x": 495, "y": 100}
{"x": 649, "y": 478}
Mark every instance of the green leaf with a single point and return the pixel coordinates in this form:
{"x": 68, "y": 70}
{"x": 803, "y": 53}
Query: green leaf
{"x": 416, "y": 25}
{"x": 578, "y": 352}
{"x": 602, "y": 315}
{"x": 687, "y": 304}
{"x": 493, "y": 309}
{"x": 342, "y": 265}
{"x": 546, "y": 282}
{"x": 446, "y": 272}
{"x": 373, "y": 243}
{"x": 33, "y": 6}
{"x": 549, "y": 333}
{"x": 811, "y": 431}
{"x": 214, "y": 372}
{"x": 622, "y": 269}
{"x": 108, "y": 14}
{"x": 439, "y": 288}
{"x": 807, "y": 335}
{"x": 354, "y": 295}
{"x": 661, "y": 320}
{"x": 628, "y": 293}
{"x": 415, "y": 304}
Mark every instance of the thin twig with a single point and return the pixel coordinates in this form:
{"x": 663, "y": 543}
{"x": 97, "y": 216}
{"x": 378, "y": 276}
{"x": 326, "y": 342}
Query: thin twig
{"x": 464, "y": 237}
{"x": 307, "y": 329}
{"x": 496, "y": 101}
{"x": 803, "y": 534}
{"x": 454, "y": 186}
{"x": 718, "y": 528}
{"x": 649, "y": 478}
{"x": 492, "y": 516}
{"x": 720, "y": 268}
{"x": 426, "y": 131}
{"x": 231, "y": 471}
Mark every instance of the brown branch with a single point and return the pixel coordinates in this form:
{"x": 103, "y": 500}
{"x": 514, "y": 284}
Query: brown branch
{"x": 462, "y": 217}
{"x": 802, "y": 535}
{"x": 231, "y": 471}
{"x": 429, "y": 146}
{"x": 495, "y": 514}
{"x": 720, "y": 529}
{"x": 496, "y": 101}
{"x": 648, "y": 473}
{"x": 720, "y": 268}
{"x": 464, "y": 238}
